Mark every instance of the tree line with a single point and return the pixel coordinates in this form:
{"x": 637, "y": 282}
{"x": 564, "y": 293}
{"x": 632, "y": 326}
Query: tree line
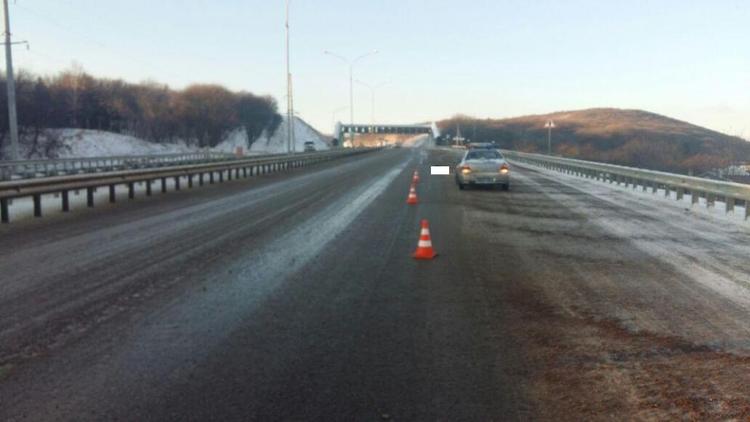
{"x": 201, "y": 114}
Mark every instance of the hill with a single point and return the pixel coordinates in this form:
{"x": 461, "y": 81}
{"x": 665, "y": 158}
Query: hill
{"x": 627, "y": 137}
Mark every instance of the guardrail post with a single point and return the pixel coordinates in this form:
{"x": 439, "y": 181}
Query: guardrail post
{"x": 667, "y": 190}
{"x": 65, "y": 201}
{"x": 221, "y": 176}
{"x": 710, "y": 200}
{"x": 190, "y": 181}
{"x": 211, "y": 177}
{"x": 730, "y": 204}
{"x": 200, "y": 179}
{"x": 90, "y": 197}
{"x": 131, "y": 190}
{"x": 177, "y": 183}
{"x": 112, "y": 197}
{"x": 148, "y": 187}
{"x": 695, "y": 197}
{"x": 244, "y": 172}
{"x": 4, "y": 214}
{"x": 163, "y": 185}
{"x": 37, "y": 205}
{"x": 229, "y": 174}
{"x": 680, "y": 193}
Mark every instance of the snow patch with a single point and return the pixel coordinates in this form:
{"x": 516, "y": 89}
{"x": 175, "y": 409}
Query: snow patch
{"x": 277, "y": 143}
{"x": 668, "y": 230}
{"x": 82, "y": 143}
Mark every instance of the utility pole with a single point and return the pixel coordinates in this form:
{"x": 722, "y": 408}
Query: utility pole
{"x": 291, "y": 147}
{"x": 549, "y": 125}
{"x": 11, "y": 84}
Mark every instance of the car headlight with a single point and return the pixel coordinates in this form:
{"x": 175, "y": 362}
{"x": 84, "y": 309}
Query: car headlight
{"x": 465, "y": 170}
{"x": 504, "y": 169}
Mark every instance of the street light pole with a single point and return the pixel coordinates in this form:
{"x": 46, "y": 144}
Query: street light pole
{"x": 11, "y": 85}
{"x": 351, "y": 64}
{"x": 291, "y": 147}
{"x": 549, "y": 125}
{"x": 372, "y": 89}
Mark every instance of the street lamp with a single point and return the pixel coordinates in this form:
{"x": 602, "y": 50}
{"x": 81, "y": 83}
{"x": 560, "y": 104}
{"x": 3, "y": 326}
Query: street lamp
{"x": 372, "y": 89}
{"x": 351, "y": 64}
{"x": 291, "y": 148}
{"x": 549, "y": 125}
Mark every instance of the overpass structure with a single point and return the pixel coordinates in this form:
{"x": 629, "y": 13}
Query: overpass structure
{"x": 342, "y": 129}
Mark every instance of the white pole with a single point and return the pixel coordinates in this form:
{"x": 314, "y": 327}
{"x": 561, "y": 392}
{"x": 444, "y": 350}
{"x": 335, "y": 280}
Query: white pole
{"x": 289, "y": 99}
{"x": 11, "y": 84}
{"x": 373, "y": 89}
{"x": 549, "y": 125}
{"x": 351, "y": 103}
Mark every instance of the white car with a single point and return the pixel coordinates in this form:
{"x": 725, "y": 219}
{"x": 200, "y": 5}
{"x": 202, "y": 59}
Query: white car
{"x": 483, "y": 167}
{"x": 309, "y": 146}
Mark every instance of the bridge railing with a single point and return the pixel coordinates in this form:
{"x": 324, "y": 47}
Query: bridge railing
{"x": 24, "y": 169}
{"x": 732, "y": 194}
{"x": 204, "y": 173}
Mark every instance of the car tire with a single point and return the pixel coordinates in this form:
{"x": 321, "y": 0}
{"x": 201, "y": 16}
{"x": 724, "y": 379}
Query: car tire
{"x": 461, "y": 186}
{"x": 506, "y": 186}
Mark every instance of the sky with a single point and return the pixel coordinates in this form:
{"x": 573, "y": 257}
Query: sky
{"x": 685, "y": 59}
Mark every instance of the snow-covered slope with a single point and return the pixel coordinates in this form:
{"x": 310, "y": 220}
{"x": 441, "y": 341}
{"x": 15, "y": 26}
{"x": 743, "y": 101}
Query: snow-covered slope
{"x": 277, "y": 143}
{"x": 95, "y": 143}
{"x": 70, "y": 143}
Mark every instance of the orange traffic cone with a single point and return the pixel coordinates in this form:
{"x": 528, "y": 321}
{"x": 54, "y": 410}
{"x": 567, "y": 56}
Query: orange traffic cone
{"x": 412, "y": 198}
{"x": 415, "y": 177}
{"x": 424, "y": 247}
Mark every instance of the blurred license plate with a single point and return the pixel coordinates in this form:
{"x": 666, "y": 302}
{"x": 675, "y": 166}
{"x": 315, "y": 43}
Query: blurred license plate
{"x": 485, "y": 180}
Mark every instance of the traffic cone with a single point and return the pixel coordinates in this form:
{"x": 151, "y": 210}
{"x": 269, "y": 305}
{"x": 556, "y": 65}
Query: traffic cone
{"x": 412, "y": 198}
{"x": 424, "y": 247}
{"x": 415, "y": 177}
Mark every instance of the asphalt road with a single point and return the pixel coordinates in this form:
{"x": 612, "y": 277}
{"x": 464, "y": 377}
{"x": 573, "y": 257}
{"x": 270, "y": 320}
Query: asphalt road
{"x": 294, "y": 297}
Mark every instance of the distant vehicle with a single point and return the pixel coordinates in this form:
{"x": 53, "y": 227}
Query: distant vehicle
{"x": 482, "y": 145}
{"x": 483, "y": 167}
{"x": 309, "y": 146}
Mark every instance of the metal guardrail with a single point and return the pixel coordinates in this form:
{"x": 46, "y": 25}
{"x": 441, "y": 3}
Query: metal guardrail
{"x": 711, "y": 190}
{"x": 24, "y": 169}
{"x": 239, "y": 167}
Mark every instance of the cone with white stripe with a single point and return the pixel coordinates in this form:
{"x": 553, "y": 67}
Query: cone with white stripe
{"x": 412, "y": 198}
{"x": 424, "y": 247}
{"x": 415, "y": 177}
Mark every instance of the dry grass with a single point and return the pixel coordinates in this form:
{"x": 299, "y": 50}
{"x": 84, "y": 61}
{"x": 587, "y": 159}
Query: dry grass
{"x": 583, "y": 368}
{"x": 628, "y": 137}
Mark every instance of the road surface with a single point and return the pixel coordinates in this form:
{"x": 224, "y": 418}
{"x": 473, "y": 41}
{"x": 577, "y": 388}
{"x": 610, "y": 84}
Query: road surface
{"x": 294, "y": 297}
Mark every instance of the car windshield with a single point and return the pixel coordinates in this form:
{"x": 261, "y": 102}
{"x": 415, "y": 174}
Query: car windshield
{"x": 483, "y": 155}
